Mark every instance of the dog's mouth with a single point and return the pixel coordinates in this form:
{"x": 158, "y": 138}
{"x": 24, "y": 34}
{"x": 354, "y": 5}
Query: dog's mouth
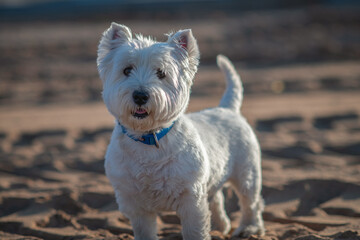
{"x": 140, "y": 113}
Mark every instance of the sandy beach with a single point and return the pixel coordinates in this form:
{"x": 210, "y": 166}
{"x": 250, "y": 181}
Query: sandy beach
{"x": 301, "y": 98}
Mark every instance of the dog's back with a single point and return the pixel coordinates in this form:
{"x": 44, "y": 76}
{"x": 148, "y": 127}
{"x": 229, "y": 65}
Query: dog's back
{"x": 228, "y": 138}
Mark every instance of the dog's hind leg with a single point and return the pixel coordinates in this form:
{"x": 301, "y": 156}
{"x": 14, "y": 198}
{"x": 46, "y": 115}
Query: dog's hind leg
{"x": 219, "y": 219}
{"x": 248, "y": 187}
{"x": 251, "y": 219}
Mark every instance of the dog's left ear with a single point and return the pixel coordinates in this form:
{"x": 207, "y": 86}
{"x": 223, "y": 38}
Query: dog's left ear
{"x": 113, "y": 37}
{"x": 185, "y": 40}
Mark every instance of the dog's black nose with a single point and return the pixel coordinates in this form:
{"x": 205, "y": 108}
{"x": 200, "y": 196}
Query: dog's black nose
{"x": 140, "y": 97}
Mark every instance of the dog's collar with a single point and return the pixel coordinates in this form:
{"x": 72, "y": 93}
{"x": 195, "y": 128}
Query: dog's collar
{"x": 152, "y": 138}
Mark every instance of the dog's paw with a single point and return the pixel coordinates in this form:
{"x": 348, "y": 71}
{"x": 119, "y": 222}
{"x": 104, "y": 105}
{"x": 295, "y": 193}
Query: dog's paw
{"x": 224, "y": 226}
{"x": 247, "y": 231}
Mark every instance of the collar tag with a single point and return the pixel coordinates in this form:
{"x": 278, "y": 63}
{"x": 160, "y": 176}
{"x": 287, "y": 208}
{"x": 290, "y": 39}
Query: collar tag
{"x": 156, "y": 140}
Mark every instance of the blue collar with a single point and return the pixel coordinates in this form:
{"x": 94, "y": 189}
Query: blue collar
{"x": 149, "y": 139}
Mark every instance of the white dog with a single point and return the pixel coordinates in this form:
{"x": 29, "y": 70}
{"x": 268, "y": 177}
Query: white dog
{"x": 160, "y": 159}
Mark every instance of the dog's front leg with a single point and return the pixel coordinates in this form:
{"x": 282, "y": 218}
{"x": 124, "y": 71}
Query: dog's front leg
{"x": 194, "y": 214}
{"x": 144, "y": 226}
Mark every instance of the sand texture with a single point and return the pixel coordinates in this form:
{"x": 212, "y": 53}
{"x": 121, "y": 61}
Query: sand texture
{"x": 302, "y": 97}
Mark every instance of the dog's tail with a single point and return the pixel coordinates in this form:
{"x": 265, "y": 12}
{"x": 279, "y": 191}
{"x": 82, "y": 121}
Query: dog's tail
{"x": 233, "y": 95}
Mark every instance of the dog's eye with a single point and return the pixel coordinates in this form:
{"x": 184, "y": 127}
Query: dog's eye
{"x": 160, "y": 74}
{"x": 127, "y": 71}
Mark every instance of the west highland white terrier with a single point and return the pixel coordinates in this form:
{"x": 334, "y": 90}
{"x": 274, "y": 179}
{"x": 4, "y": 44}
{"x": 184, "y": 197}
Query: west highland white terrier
{"x": 161, "y": 159}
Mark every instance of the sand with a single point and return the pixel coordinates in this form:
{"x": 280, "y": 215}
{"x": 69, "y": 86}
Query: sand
{"x": 54, "y": 129}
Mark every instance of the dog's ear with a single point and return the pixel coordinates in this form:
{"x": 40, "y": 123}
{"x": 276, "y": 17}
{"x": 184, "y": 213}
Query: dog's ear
{"x": 112, "y": 38}
{"x": 120, "y": 32}
{"x": 185, "y": 40}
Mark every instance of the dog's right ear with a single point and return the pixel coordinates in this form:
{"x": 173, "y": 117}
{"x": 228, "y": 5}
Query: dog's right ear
{"x": 112, "y": 38}
{"x": 185, "y": 40}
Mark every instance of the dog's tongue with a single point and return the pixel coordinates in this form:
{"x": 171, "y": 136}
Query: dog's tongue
{"x": 140, "y": 111}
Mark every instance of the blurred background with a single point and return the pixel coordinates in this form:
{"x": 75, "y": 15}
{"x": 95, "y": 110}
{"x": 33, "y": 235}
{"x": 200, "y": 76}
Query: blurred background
{"x": 49, "y": 47}
{"x": 300, "y": 66}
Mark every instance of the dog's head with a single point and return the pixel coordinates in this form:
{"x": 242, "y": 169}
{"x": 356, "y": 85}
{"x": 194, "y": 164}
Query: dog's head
{"x": 146, "y": 84}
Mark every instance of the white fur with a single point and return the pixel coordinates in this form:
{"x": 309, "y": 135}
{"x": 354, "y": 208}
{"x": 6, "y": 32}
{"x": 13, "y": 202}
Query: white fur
{"x": 197, "y": 156}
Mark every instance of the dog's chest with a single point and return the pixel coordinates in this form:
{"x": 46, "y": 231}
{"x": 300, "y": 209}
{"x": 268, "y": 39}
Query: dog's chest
{"x": 154, "y": 184}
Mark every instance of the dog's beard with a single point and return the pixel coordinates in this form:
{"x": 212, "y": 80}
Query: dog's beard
{"x": 139, "y": 119}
